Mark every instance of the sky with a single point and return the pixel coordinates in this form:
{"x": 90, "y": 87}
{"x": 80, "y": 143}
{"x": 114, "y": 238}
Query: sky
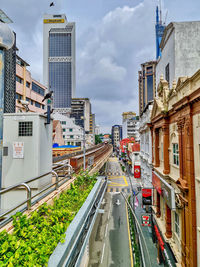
{"x": 113, "y": 37}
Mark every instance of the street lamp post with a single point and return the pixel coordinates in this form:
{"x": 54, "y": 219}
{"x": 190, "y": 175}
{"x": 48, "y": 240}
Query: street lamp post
{"x": 6, "y": 42}
{"x": 84, "y": 148}
{"x": 83, "y": 118}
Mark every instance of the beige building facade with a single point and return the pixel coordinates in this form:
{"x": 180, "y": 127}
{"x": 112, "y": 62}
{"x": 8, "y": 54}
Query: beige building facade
{"x": 175, "y": 126}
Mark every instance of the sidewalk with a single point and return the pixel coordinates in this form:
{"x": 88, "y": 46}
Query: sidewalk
{"x": 152, "y": 250}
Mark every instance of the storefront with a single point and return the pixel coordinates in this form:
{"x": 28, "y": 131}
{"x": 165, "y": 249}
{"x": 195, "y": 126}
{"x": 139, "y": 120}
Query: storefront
{"x": 165, "y": 254}
{"x": 166, "y": 191}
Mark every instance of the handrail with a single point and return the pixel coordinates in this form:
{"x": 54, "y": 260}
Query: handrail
{"x": 16, "y": 186}
{"x": 28, "y": 189}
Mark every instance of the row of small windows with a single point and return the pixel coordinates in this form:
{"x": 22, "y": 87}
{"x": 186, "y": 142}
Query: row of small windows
{"x": 35, "y": 87}
{"x": 70, "y": 130}
{"x": 33, "y": 103}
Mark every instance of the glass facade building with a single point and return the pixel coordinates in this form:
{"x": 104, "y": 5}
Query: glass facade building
{"x": 59, "y": 59}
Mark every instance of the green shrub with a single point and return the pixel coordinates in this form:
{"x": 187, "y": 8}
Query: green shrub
{"x": 34, "y": 239}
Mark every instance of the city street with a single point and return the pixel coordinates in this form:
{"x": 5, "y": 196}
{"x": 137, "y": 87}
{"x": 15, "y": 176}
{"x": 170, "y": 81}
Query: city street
{"x": 110, "y": 239}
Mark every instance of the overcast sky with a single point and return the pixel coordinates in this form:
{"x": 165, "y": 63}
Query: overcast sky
{"x": 113, "y": 37}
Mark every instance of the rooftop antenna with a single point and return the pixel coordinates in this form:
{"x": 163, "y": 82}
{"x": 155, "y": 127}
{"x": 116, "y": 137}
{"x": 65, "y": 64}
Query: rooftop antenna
{"x": 160, "y": 13}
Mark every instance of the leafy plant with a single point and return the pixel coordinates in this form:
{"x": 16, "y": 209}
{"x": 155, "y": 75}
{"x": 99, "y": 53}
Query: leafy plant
{"x": 34, "y": 239}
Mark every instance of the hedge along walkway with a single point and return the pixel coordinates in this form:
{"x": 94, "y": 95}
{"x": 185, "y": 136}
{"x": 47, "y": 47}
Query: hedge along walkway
{"x": 34, "y": 239}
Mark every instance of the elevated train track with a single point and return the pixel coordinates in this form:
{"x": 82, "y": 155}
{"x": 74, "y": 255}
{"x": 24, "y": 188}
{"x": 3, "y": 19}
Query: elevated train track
{"x": 92, "y": 156}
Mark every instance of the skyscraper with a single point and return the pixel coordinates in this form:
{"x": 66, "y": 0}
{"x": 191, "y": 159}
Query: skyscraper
{"x": 159, "y": 32}
{"x": 147, "y": 84}
{"x": 59, "y": 59}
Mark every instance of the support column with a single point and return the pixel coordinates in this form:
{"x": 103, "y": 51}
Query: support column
{"x": 191, "y": 243}
{"x": 152, "y": 144}
{"x": 156, "y": 148}
{"x": 165, "y": 129}
{"x": 168, "y": 221}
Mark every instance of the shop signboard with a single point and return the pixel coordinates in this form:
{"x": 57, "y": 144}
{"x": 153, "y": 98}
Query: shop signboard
{"x": 156, "y": 183}
{"x": 146, "y": 219}
{"x": 146, "y": 196}
{"x": 136, "y": 171}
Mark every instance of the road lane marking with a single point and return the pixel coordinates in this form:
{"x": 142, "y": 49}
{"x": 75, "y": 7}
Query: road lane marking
{"x": 102, "y": 253}
{"x": 130, "y": 246}
{"x": 106, "y": 230}
{"x": 125, "y": 180}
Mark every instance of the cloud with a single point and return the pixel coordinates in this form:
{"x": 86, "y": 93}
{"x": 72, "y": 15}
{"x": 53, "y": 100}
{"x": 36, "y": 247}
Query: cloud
{"x": 109, "y": 57}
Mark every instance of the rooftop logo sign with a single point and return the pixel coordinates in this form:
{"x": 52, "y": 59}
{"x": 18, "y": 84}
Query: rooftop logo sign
{"x": 54, "y": 21}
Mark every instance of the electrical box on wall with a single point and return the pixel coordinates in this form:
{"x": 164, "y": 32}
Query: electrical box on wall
{"x": 27, "y": 153}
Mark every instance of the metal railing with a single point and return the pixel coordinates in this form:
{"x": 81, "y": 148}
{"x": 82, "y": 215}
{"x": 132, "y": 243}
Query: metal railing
{"x": 28, "y": 201}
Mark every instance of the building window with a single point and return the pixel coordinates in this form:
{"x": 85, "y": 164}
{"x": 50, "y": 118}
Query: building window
{"x": 63, "y": 122}
{"x": 28, "y": 84}
{"x": 68, "y": 143}
{"x": 25, "y": 128}
{"x": 175, "y": 154}
{"x": 36, "y": 88}
{"x": 64, "y": 136}
{"x": 167, "y": 73}
{"x": 71, "y": 130}
{"x": 42, "y": 106}
{"x": 63, "y": 130}
{"x": 19, "y": 80}
{"x": 37, "y": 105}
{"x": 177, "y": 225}
{"x": 71, "y": 136}
{"x": 27, "y": 99}
{"x": 32, "y": 102}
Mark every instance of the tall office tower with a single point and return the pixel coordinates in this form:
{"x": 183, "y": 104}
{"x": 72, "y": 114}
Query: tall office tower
{"x": 147, "y": 84}
{"x": 10, "y": 72}
{"x": 160, "y": 27}
{"x": 59, "y": 59}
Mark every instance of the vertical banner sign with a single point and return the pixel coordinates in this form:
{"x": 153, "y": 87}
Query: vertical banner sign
{"x": 1, "y": 108}
{"x": 136, "y": 171}
{"x": 146, "y": 196}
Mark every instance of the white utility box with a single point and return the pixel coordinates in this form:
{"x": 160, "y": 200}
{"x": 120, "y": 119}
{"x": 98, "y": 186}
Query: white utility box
{"x": 27, "y": 153}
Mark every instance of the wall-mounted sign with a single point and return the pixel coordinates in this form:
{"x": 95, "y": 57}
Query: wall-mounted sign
{"x": 156, "y": 183}
{"x": 136, "y": 171}
{"x": 146, "y": 219}
{"x": 146, "y": 196}
{"x": 18, "y": 150}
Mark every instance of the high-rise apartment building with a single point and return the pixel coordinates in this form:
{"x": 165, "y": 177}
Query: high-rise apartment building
{"x": 116, "y": 133}
{"x": 130, "y": 125}
{"x": 147, "y": 84}
{"x": 59, "y": 59}
{"x": 80, "y": 111}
